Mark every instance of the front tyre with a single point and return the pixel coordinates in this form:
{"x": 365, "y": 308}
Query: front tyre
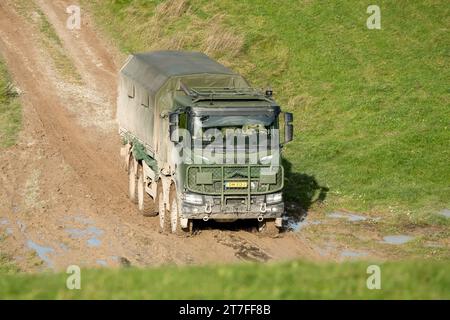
{"x": 175, "y": 224}
{"x": 164, "y": 215}
{"x": 268, "y": 227}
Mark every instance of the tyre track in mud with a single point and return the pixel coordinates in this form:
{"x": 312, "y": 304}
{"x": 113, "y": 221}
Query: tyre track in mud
{"x": 77, "y": 167}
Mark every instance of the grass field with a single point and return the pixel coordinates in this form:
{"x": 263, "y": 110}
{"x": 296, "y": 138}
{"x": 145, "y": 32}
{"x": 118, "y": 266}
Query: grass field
{"x": 10, "y": 110}
{"x": 294, "y": 280}
{"x": 371, "y": 106}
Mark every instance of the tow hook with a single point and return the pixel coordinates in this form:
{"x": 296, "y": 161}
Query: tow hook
{"x": 260, "y": 218}
{"x": 263, "y": 207}
{"x": 208, "y": 208}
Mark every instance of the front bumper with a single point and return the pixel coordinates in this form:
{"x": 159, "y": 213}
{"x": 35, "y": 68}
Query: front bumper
{"x": 232, "y": 212}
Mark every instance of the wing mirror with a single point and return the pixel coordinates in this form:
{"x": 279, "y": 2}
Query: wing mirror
{"x": 288, "y": 127}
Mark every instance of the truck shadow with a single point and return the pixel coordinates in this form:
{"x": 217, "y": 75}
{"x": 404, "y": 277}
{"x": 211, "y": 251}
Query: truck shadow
{"x": 301, "y": 191}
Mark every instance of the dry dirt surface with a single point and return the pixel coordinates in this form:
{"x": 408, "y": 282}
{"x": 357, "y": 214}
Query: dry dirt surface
{"x": 63, "y": 194}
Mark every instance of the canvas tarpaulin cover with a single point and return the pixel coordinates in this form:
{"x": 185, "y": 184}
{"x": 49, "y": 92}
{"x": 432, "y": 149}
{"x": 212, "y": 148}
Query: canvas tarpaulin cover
{"x": 160, "y": 73}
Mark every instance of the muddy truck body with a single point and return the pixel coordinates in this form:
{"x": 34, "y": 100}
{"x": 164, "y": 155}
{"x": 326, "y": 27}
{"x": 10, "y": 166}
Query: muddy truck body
{"x": 174, "y": 111}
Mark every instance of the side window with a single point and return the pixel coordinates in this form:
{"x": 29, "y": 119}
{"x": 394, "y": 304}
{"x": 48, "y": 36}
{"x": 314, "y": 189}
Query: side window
{"x": 183, "y": 121}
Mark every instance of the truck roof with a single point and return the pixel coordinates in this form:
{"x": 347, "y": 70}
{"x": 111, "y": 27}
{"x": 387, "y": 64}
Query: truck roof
{"x": 153, "y": 69}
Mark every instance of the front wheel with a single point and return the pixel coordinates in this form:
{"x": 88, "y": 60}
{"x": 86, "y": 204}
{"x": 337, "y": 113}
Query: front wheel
{"x": 268, "y": 227}
{"x": 175, "y": 224}
{"x": 164, "y": 216}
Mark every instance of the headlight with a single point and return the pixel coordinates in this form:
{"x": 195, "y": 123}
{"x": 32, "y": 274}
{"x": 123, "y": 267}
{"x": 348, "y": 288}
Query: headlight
{"x": 274, "y": 197}
{"x": 193, "y": 198}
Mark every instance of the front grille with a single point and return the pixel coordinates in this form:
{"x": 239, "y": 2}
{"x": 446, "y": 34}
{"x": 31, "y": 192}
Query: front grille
{"x": 255, "y": 177}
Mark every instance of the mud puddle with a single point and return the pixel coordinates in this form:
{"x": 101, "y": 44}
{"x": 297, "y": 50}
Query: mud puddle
{"x": 353, "y": 254}
{"x": 90, "y": 234}
{"x": 445, "y": 213}
{"x": 42, "y": 252}
{"x": 349, "y": 216}
{"x": 397, "y": 239}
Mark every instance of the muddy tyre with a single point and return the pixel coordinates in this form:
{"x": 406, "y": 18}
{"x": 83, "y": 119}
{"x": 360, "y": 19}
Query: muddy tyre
{"x": 164, "y": 215}
{"x": 268, "y": 227}
{"x": 132, "y": 183}
{"x": 174, "y": 213}
{"x": 145, "y": 202}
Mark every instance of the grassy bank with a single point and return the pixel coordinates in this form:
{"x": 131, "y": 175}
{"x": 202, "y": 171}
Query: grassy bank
{"x": 371, "y": 106}
{"x": 294, "y": 280}
{"x": 10, "y": 110}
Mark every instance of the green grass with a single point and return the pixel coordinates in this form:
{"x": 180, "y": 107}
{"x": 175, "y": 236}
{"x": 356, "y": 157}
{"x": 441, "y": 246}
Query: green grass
{"x": 294, "y": 280}
{"x": 371, "y": 106}
{"x": 10, "y": 110}
{"x": 7, "y": 265}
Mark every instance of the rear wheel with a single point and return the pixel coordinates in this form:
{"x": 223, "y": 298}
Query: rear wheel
{"x": 146, "y": 204}
{"x": 132, "y": 182}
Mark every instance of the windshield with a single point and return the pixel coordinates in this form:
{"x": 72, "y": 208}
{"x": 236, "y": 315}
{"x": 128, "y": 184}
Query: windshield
{"x": 214, "y": 128}
{"x": 210, "y": 121}
{"x": 250, "y": 138}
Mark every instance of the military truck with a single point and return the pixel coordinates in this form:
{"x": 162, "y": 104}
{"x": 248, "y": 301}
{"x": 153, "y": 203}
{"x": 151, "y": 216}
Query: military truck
{"x": 167, "y": 100}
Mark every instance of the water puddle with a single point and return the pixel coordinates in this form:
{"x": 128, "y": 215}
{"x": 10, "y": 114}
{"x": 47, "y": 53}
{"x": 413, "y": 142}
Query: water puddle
{"x": 299, "y": 225}
{"x": 94, "y": 242}
{"x": 352, "y": 254}
{"x": 41, "y": 251}
{"x": 397, "y": 239}
{"x": 101, "y": 262}
{"x": 81, "y": 233}
{"x": 83, "y": 220}
{"x": 445, "y": 213}
{"x": 349, "y": 216}
{"x": 92, "y": 233}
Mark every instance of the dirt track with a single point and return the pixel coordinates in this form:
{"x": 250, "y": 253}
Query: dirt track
{"x": 63, "y": 190}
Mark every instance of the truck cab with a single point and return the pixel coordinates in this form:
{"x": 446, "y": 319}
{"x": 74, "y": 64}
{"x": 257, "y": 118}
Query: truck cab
{"x": 230, "y": 168}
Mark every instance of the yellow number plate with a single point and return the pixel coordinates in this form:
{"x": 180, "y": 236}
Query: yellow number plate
{"x": 236, "y": 184}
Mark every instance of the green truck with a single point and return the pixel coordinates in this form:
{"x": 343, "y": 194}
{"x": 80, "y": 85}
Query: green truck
{"x": 199, "y": 142}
